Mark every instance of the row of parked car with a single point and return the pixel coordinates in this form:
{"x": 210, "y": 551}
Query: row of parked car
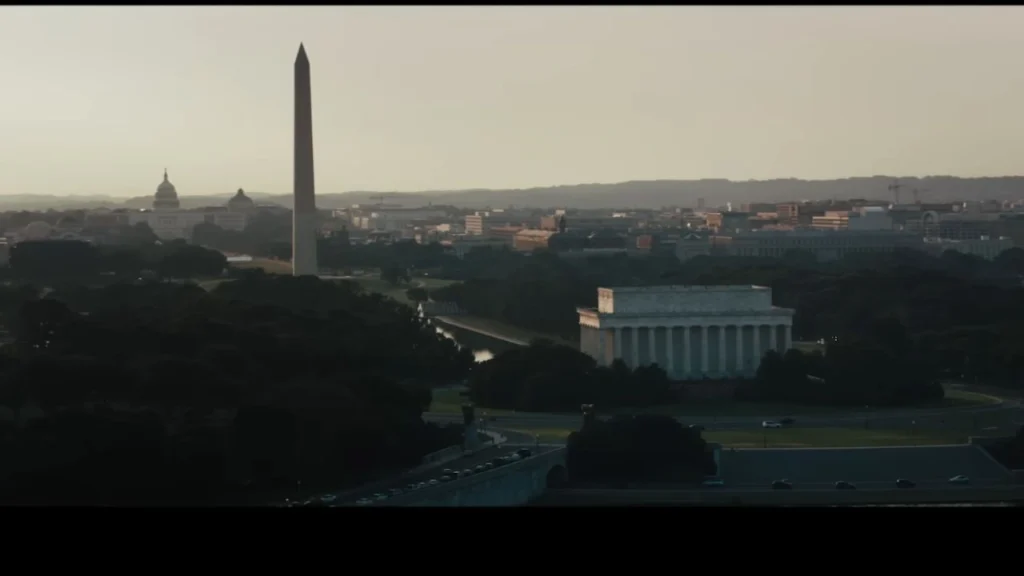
{"x": 785, "y": 484}
{"x": 447, "y": 475}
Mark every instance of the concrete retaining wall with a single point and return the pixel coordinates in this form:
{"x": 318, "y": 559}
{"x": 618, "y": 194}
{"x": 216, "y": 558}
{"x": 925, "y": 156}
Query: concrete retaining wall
{"x": 511, "y": 485}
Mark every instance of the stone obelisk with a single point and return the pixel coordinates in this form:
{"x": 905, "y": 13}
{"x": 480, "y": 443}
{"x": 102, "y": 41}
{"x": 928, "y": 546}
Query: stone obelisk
{"x": 304, "y": 218}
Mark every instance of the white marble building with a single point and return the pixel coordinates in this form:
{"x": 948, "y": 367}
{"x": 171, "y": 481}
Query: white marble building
{"x": 169, "y": 222}
{"x": 690, "y": 331}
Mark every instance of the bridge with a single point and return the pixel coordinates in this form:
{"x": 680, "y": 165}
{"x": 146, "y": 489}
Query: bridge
{"x": 515, "y": 484}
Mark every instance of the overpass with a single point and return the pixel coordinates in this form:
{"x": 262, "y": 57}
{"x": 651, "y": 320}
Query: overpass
{"x": 797, "y": 497}
{"x": 513, "y": 484}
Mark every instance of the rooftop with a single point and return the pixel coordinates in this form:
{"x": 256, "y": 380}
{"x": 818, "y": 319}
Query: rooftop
{"x": 685, "y": 289}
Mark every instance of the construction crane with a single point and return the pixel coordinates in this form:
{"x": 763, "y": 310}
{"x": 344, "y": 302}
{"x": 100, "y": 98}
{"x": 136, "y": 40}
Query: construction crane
{"x": 917, "y": 195}
{"x": 895, "y": 189}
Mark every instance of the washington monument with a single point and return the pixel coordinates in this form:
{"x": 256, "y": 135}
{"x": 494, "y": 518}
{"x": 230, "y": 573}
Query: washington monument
{"x": 304, "y": 220}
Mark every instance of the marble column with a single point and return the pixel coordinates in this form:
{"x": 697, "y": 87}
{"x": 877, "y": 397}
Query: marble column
{"x": 722, "y": 356}
{"x": 652, "y": 351}
{"x": 775, "y": 338}
{"x": 687, "y": 362}
{"x": 636, "y": 346}
{"x": 757, "y": 346}
{"x": 703, "y": 349}
{"x": 741, "y": 366}
{"x": 670, "y": 353}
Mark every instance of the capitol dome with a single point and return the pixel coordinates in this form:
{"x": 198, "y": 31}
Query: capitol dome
{"x": 37, "y": 230}
{"x": 240, "y": 202}
{"x": 166, "y": 197}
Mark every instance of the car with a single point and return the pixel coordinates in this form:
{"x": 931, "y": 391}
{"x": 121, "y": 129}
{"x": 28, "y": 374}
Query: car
{"x": 446, "y": 478}
{"x": 960, "y": 479}
{"x": 714, "y": 483}
{"x": 787, "y": 421}
{"x": 513, "y": 458}
{"x": 489, "y": 466}
{"x": 770, "y": 424}
{"x": 433, "y": 482}
{"x": 447, "y": 472}
{"x": 844, "y": 485}
{"x": 781, "y": 485}
{"x": 524, "y": 452}
{"x": 904, "y": 483}
{"x": 479, "y": 469}
{"x": 328, "y": 499}
{"x": 394, "y": 492}
{"x": 379, "y": 496}
{"x": 466, "y": 472}
{"x": 497, "y": 461}
{"x": 364, "y": 502}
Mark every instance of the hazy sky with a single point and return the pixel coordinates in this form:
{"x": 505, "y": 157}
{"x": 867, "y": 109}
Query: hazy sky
{"x": 101, "y": 99}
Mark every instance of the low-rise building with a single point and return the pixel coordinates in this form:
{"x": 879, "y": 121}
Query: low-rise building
{"x": 825, "y": 245}
{"x": 530, "y": 240}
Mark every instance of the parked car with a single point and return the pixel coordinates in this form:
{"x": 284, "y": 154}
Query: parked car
{"x": 714, "y": 483}
{"x": 844, "y": 485}
{"x": 960, "y": 479}
{"x": 524, "y": 452}
{"x": 904, "y": 483}
{"x": 771, "y": 424}
{"x": 781, "y": 485}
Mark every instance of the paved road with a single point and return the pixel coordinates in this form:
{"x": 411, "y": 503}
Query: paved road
{"x": 978, "y": 418}
{"x": 766, "y": 496}
{"x": 485, "y": 455}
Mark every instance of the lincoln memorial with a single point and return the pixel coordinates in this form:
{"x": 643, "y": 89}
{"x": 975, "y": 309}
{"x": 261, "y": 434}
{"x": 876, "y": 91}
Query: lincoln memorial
{"x": 689, "y": 331}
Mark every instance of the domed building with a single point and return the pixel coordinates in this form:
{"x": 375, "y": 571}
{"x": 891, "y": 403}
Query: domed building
{"x": 169, "y": 222}
{"x": 166, "y": 197}
{"x": 38, "y": 230}
{"x": 240, "y": 202}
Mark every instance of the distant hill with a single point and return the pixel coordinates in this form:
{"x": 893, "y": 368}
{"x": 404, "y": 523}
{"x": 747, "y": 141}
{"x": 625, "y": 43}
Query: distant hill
{"x": 636, "y": 194}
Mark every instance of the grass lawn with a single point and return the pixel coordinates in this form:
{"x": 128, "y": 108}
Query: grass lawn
{"x": 799, "y": 437}
{"x": 375, "y": 284}
{"x": 268, "y": 265}
{"x": 450, "y": 401}
{"x": 447, "y": 401}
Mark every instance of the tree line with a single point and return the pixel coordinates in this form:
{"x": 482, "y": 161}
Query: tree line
{"x": 864, "y": 375}
{"x": 545, "y": 377}
{"x": 52, "y": 262}
{"x": 958, "y": 311}
{"x": 158, "y": 393}
{"x": 641, "y": 448}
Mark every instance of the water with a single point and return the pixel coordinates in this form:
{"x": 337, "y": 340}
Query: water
{"x": 479, "y": 354}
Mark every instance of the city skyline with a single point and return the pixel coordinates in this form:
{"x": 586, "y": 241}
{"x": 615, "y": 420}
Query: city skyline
{"x": 440, "y": 98}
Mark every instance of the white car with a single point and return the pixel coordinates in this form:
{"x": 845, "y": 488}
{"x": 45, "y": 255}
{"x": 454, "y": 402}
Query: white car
{"x": 960, "y": 479}
{"x": 714, "y": 483}
{"x": 770, "y": 424}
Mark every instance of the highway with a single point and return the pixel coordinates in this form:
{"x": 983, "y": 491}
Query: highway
{"x": 401, "y": 482}
{"x": 898, "y": 419}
